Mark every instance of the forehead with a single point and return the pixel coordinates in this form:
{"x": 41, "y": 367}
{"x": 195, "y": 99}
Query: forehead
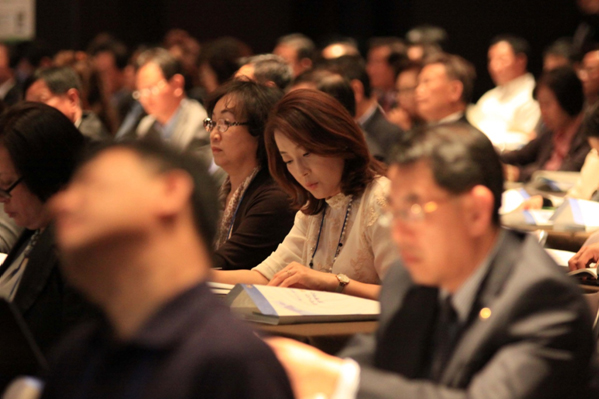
{"x": 117, "y": 164}
{"x": 227, "y": 104}
{"x": 149, "y": 73}
{"x": 501, "y": 49}
{"x": 436, "y": 70}
{"x": 413, "y": 182}
{"x": 284, "y": 143}
{"x": 38, "y": 87}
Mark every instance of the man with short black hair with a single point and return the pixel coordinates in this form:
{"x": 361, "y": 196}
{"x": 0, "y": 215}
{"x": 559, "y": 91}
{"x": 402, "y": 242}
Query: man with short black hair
{"x": 384, "y": 54}
{"x": 474, "y": 311}
{"x": 508, "y": 114}
{"x": 172, "y": 117}
{"x": 298, "y": 50}
{"x": 135, "y": 227}
{"x": 267, "y": 69}
{"x": 60, "y": 87}
{"x": 444, "y": 89}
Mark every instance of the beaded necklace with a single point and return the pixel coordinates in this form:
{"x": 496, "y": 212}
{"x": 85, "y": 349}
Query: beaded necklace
{"x": 341, "y": 236}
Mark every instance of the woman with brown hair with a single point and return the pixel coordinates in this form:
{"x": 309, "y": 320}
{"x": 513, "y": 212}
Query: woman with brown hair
{"x": 318, "y": 155}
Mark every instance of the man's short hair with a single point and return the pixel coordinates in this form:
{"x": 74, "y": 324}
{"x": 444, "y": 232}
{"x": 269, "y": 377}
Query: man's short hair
{"x": 519, "y": 45}
{"x": 302, "y": 44}
{"x": 163, "y": 158}
{"x": 331, "y": 83}
{"x": 456, "y": 68}
{"x": 58, "y": 79}
{"x": 563, "y": 47}
{"x": 115, "y": 47}
{"x": 168, "y": 64}
{"x": 352, "y": 67}
{"x": 271, "y": 67}
{"x": 460, "y": 157}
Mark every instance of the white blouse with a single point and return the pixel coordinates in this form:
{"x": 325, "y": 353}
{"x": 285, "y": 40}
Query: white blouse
{"x": 367, "y": 250}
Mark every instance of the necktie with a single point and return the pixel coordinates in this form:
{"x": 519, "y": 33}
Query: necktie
{"x": 446, "y": 333}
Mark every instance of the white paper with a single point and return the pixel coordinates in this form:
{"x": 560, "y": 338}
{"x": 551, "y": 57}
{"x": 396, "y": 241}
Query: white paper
{"x": 560, "y": 257}
{"x": 17, "y": 19}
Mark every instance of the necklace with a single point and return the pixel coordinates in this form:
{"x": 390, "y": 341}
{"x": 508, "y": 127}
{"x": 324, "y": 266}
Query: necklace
{"x": 341, "y": 236}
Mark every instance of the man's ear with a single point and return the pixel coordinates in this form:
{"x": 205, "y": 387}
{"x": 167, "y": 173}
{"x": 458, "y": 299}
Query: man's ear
{"x": 74, "y": 97}
{"x": 178, "y": 82}
{"x": 176, "y": 190}
{"x": 358, "y": 89}
{"x": 457, "y": 89}
{"x": 480, "y": 208}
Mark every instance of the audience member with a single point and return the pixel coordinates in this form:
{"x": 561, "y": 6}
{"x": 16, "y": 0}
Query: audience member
{"x": 560, "y": 53}
{"x": 587, "y": 184}
{"x": 220, "y": 60}
{"x": 425, "y": 41}
{"x": 10, "y": 91}
{"x": 135, "y": 227}
{"x": 508, "y": 113}
{"x": 383, "y": 55}
{"x": 405, "y": 115}
{"x": 60, "y": 87}
{"x": 298, "y": 50}
{"x": 186, "y": 49}
{"x": 340, "y": 89}
{"x": 369, "y": 114}
{"x": 589, "y": 75}
{"x": 172, "y": 117}
{"x": 38, "y": 151}
{"x": 445, "y": 86}
{"x": 560, "y": 143}
{"x": 318, "y": 155}
{"x": 339, "y": 47}
{"x": 257, "y": 214}
{"x": 474, "y": 311}
{"x": 267, "y": 69}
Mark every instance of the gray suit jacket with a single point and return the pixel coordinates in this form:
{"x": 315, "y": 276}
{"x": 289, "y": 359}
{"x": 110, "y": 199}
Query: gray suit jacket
{"x": 382, "y": 132}
{"x": 189, "y": 133}
{"x": 536, "y": 343}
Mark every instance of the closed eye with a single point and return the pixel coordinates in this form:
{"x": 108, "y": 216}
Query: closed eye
{"x": 306, "y": 154}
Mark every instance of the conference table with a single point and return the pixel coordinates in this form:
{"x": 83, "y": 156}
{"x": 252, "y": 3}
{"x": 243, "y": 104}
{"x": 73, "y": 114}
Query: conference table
{"x": 328, "y": 337}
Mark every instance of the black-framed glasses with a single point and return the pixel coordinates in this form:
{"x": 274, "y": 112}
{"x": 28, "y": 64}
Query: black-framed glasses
{"x": 5, "y": 193}
{"x": 222, "y": 125}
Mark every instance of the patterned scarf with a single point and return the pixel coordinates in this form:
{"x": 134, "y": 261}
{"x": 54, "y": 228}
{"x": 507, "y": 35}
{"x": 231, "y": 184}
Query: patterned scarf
{"x": 228, "y": 218}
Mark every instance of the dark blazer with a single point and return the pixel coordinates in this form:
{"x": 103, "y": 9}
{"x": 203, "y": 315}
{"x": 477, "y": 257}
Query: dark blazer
{"x": 48, "y": 305}
{"x": 536, "y": 341}
{"x": 263, "y": 220}
{"x": 91, "y": 126}
{"x": 384, "y": 133}
{"x": 536, "y": 153}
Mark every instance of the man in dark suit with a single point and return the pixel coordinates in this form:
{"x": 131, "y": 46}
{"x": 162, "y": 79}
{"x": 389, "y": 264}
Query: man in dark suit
{"x": 474, "y": 311}
{"x": 60, "y": 87}
{"x": 135, "y": 227}
{"x": 445, "y": 86}
{"x": 369, "y": 114}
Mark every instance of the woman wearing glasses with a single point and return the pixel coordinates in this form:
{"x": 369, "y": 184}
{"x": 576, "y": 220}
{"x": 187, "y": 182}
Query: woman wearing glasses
{"x": 38, "y": 151}
{"x": 256, "y": 213}
{"x": 318, "y": 154}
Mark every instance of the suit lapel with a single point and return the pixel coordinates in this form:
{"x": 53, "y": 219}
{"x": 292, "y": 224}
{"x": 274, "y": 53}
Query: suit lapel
{"x": 15, "y": 250}
{"x": 480, "y": 324}
{"x": 41, "y": 263}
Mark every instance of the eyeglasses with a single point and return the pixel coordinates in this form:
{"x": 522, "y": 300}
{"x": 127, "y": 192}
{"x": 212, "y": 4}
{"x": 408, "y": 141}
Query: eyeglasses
{"x": 222, "y": 125}
{"x": 413, "y": 213}
{"x": 5, "y": 193}
{"x": 149, "y": 91}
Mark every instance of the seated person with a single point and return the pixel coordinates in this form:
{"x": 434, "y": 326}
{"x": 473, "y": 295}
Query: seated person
{"x": 39, "y": 148}
{"x": 588, "y": 183}
{"x": 135, "y": 227}
{"x": 317, "y": 153}
{"x": 473, "y": 311}
{"x": 257, "y": 213}
{"x": 560, "y": 144}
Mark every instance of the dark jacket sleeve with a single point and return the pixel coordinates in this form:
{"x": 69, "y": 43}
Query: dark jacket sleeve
{"x": 259, "y": 228}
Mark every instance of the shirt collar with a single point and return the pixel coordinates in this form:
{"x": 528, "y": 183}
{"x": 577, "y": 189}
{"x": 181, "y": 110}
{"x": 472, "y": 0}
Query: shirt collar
{"x": 6, "y": 86}
{"x": 368, "y": 114}
{"x": 456, "y": 116}
{"x": 168, "y": 129}
{"x": 463, "y": 299}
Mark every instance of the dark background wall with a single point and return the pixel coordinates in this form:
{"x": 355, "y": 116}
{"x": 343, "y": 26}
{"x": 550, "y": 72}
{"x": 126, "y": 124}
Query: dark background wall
{"x": 470, "y": 23}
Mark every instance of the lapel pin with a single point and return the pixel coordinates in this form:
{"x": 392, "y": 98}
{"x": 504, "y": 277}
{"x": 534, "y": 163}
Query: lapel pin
{"x": 484, "y": 313}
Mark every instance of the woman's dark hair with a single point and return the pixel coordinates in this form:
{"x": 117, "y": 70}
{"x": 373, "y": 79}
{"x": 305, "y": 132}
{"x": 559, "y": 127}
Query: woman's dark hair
{"x": 252, "y": 102}
{"x": 566, "y": 86}
{"x": 43, "y": 144}
{"x": 317, "y": 122}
